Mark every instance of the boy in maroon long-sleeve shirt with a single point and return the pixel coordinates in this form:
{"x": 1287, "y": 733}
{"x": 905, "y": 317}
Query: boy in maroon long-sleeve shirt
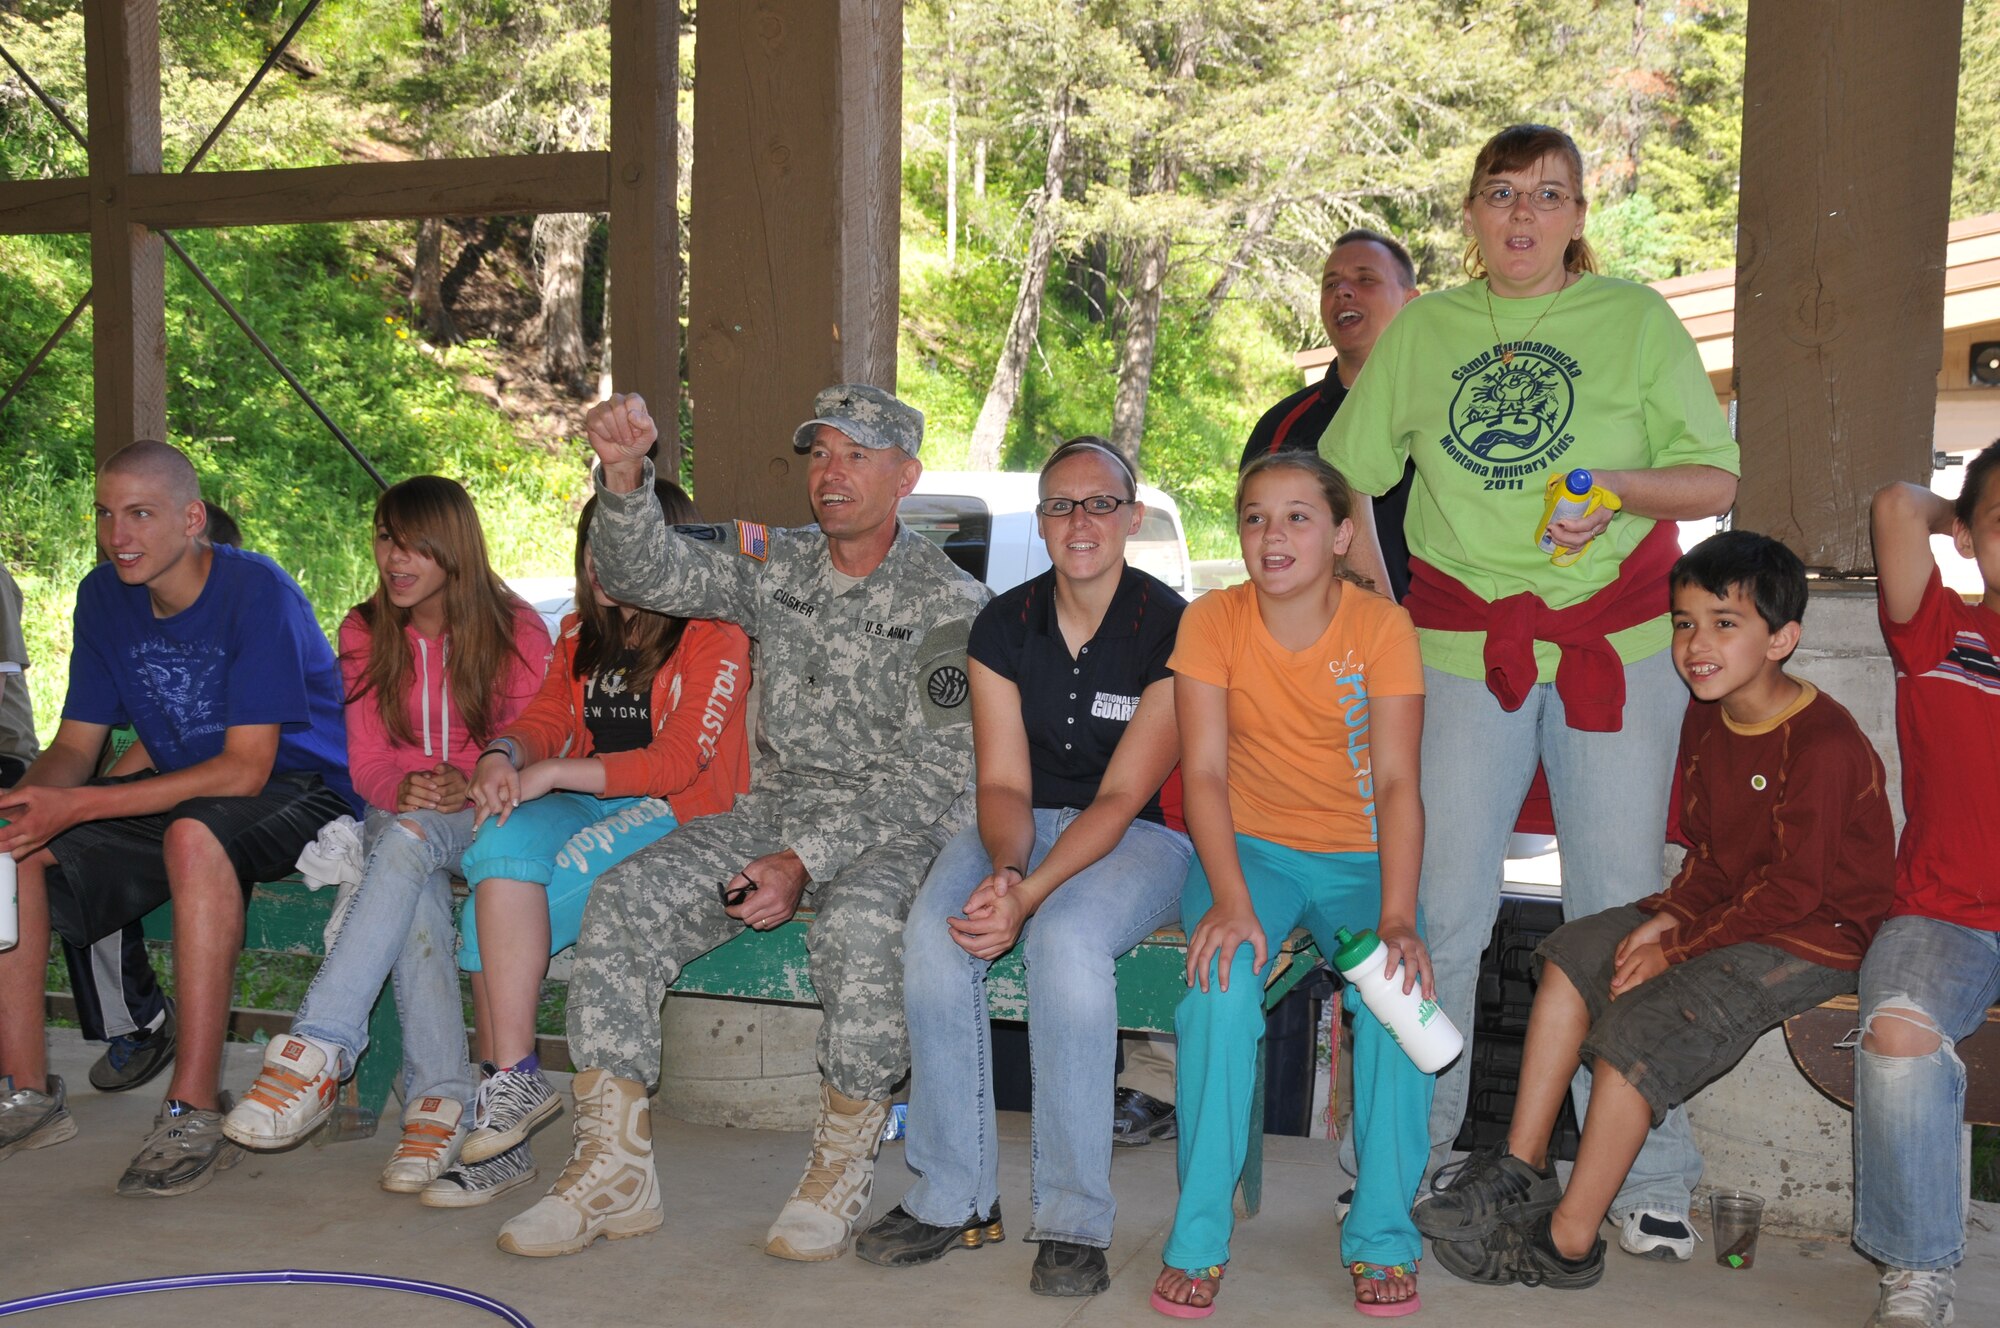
{"x": 1790, "y": 869}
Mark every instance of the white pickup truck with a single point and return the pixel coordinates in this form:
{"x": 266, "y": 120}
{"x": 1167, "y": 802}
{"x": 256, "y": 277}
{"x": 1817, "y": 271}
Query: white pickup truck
{"x": 985, "y": 522}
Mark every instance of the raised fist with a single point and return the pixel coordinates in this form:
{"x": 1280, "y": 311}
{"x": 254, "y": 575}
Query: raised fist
{"x": 621, "y": 429}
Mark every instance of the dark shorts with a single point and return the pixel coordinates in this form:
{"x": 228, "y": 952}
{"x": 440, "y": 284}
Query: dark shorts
{"x": 1675, "y": 1034}
{"x": 109, "y": 873}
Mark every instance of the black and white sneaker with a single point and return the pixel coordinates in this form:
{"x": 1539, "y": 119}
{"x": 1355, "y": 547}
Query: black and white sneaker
{"x": 1651, "y": 1234}
{"x": 1139, "y": 1118}
{"x": 510, "y": 1104}
{"x": 470, "y": 1184}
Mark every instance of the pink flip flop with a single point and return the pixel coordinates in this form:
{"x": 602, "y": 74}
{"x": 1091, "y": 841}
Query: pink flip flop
{"x": 1375, "y": 1272}
{"x": 1175, "y": 1309}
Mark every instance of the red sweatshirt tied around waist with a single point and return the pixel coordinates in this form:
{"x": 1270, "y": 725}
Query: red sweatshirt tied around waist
{"x": 1590, "y": 677}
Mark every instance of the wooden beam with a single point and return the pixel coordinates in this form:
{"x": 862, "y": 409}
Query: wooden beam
{"x": 121, "y": 41}
{"x": 374, "y": 191}
{"x": 44, "y": 207}
{"x": 793, "y": 274}
{"x": 1847, "y": 148}
{"x": 871, "y": 170}
{"x": 643, "y": 300}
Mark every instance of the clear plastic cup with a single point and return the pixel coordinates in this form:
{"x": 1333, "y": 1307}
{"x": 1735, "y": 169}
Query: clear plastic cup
{"x": 1738, "y": 1215}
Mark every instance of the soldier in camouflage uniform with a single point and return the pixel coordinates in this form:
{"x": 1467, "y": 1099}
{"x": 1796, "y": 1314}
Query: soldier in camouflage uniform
{"x": 864, "y": 748}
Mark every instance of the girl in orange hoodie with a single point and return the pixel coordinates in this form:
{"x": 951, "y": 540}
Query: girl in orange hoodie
{"x": 637, "y": 729}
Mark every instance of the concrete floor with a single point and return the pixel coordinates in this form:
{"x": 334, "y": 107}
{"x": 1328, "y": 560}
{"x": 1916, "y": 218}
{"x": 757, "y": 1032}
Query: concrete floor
{"x": 62, "y": 1226}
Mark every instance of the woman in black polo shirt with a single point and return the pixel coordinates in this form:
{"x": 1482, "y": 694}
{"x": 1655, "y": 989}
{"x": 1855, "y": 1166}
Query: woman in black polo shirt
{"x": 1078, "y": 854}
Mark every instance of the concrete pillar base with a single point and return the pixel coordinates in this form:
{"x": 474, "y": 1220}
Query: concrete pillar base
{"x": 1763, "y": 1128}
{"x": 746, "y": 1064}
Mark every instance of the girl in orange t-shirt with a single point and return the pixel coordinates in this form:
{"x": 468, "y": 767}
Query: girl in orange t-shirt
{"x": 1300, "y": 700}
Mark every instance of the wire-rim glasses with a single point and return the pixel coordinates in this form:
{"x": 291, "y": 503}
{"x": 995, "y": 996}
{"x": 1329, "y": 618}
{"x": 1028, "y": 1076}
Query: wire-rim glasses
{"x": 1543, "y": 198}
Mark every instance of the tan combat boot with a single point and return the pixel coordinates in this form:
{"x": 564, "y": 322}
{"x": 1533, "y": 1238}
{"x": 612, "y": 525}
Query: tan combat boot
{"x": 609, "y": 1188}
{"x": 818, "y": 1220}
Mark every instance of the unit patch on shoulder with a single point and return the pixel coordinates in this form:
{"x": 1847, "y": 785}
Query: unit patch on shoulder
{"x": 753, "y": 540}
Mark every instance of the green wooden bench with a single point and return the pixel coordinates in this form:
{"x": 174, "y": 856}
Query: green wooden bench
{"x": 284, "y": 917}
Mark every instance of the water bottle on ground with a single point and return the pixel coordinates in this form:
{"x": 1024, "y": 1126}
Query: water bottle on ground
{"x": 1419, "y": 1027}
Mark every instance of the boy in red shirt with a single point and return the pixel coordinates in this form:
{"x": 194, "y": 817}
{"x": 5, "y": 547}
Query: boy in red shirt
{"x": 1787, "y": 876}
{"x": 1936, "y": 965}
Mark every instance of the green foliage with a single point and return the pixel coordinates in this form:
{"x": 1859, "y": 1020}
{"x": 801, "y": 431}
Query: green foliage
{"x": 1976, "y": 163}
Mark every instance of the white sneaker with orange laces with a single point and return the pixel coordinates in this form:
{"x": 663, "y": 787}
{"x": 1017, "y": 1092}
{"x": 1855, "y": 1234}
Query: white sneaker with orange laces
{"x": 293, "y": 1094}
{"x": 433, "y": 1129}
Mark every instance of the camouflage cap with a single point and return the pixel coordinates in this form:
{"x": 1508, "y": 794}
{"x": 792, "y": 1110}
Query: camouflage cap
{"x": 868, "y": 415}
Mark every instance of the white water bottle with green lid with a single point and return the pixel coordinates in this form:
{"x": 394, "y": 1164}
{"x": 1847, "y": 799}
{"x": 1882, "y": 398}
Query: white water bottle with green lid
{"x": 10, "y": 902}
{"x": 1419, "y": 1027}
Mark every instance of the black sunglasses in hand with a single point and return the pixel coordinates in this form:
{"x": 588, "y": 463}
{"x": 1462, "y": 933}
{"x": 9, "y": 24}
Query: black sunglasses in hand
{"x": 731, "y": 898}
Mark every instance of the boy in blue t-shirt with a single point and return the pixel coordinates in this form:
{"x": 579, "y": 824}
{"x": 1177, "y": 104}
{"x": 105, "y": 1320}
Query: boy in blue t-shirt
{"x": 214, "y": 657}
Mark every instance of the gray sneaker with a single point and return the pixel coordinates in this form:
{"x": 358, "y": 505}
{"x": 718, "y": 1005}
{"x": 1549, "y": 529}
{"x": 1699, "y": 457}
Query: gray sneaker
{"x": 470, "y": 1184}
{"x": 183, "y": 1153}
{"x": 1482, "y": 1191}
{"x": 33, "y": 1120}
{"x": 1912, "y": 1299}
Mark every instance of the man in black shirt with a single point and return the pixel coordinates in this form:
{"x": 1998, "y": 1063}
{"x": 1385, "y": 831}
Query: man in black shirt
{"x": 1367, "y": 280}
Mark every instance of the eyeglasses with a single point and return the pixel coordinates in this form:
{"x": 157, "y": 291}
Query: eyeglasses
{"x": 1545, "y": 198}
{"x": 1101, "y": 505}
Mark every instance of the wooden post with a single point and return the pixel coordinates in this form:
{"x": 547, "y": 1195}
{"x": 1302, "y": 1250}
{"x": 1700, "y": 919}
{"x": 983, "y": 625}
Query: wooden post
{"x": 793, "y": 273}
{"x": 127, "y": 261}
{"x": 644, "y": 298}
{"x": 1848, "y": 120}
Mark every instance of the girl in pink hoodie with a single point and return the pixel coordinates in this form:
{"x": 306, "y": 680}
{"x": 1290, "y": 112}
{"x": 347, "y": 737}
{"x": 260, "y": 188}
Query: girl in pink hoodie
{"x": 441, "y": 658}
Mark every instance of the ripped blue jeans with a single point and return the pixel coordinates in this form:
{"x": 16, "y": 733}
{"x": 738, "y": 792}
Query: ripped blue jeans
{"x": 1934, "y": 979}
{"x": 400, "y": 924}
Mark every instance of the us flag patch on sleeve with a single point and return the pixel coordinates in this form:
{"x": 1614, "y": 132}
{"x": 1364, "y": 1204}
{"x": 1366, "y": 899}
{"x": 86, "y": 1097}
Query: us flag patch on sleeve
{"x": 753, "y": 540}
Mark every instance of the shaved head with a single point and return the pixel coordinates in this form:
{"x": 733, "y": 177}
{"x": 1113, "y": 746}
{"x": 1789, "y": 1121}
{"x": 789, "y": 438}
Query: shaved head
{"x": 167, "y": 466}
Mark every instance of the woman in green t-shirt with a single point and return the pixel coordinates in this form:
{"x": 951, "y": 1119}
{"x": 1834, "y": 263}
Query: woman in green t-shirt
{"x": 1535, "y": 367}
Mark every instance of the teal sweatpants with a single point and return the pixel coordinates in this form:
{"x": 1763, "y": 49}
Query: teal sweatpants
{"x": 1219, "y": 1031}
